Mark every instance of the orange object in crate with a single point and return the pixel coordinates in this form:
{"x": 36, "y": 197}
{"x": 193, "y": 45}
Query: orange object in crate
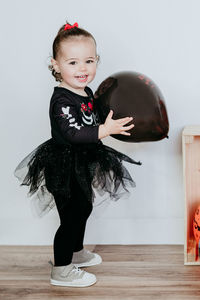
{"x": 196, "y": 229}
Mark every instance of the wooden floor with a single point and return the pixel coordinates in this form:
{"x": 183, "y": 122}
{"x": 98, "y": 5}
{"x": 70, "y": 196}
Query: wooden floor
{"x": 127, "y": 272}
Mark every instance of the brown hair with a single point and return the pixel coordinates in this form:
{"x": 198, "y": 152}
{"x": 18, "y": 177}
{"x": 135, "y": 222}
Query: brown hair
{"x": 64, "y": 35}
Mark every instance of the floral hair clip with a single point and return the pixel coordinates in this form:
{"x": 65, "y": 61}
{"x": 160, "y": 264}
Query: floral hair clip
{"x": 67, "y": 26}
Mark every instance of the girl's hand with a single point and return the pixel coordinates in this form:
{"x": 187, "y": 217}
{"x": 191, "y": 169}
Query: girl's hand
{"x": 114, "y": 126}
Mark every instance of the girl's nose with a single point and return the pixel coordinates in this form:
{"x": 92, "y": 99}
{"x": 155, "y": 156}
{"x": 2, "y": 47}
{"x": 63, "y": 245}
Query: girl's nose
{"x": 82, "y": 66}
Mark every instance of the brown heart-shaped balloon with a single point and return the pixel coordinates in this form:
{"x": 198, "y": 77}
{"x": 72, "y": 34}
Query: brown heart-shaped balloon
{"x": 132, "y": 94}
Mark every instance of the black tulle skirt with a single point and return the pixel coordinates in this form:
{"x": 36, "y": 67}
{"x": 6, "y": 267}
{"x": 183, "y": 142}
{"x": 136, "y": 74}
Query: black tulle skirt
{"x": 47, "y": 171}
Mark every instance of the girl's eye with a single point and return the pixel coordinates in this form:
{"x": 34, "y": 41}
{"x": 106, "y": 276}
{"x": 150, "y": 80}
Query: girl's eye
{"x": 72, "y": 63}
{"x": 90, "y": 61}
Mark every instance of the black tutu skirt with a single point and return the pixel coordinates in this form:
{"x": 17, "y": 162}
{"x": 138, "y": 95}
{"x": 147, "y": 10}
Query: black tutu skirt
{"x": 47, "y": 171}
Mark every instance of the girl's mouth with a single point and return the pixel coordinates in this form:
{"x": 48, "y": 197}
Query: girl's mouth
{"x": 82, "y": 78}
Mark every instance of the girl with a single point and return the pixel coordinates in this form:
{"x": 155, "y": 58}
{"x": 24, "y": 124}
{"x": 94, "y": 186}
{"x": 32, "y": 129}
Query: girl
{"x": 65, "y": 169}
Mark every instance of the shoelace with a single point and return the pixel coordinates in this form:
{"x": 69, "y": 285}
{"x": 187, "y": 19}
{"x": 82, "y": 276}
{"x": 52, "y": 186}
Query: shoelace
{"x": 77, "y": 270}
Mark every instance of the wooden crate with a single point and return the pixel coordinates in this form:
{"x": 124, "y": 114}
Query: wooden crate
{"x": 191, "y": 174}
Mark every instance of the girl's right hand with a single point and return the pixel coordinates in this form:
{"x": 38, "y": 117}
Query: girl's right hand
{"x": 114, "y": 126}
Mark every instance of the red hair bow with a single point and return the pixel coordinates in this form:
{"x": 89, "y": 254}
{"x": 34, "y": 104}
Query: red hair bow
{"x": 67, "y": 26}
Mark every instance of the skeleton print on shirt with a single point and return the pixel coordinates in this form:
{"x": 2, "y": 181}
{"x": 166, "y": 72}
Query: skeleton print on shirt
{"x": 88, "y": 118}
{"x": 66, "y": 114}
{"x": 88, "y": 115}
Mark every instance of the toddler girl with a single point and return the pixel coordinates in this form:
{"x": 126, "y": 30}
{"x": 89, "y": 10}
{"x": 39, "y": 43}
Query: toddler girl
{"x": 64, "y": 170}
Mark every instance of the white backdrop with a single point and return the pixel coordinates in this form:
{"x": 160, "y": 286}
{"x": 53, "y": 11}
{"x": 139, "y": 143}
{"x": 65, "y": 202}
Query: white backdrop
{"x": 157, "y": 38}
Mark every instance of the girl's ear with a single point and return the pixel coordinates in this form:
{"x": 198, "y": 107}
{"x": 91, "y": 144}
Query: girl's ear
{"x": 97, "y": 58}
{"x": 55, "y": 65}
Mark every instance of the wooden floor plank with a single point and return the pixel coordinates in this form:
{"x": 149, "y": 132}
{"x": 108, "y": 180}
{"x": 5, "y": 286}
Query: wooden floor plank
{"x": 138, "y": 272}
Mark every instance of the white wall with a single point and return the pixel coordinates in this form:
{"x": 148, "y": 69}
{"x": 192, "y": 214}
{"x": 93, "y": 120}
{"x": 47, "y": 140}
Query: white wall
{"x": 157, "y": 38}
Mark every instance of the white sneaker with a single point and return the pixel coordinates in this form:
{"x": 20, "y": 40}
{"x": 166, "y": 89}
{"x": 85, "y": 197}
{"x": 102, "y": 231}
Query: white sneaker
{"x": 86, "y": 258}
{"x": 70, "y": 275}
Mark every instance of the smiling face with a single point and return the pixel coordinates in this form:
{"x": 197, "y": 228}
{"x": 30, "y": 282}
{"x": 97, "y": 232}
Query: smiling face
{"x": 77, "y": 62}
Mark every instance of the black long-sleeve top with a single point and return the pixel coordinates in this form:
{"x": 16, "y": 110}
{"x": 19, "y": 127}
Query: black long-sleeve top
{"x": 74, "y": 119}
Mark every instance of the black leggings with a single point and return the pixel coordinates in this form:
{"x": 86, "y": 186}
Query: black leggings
{"x": 73, "y": 217}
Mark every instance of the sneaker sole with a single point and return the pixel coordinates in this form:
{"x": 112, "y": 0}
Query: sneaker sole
{"x": 70, "y": 284}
